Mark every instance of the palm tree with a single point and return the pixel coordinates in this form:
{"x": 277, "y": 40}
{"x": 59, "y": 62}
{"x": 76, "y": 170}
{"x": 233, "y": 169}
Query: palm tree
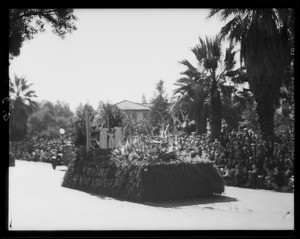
{"x": 21, "y": 106}
{"x": 264, "y": 35}
{"x": 215, "y": 70}
{"x": 191, "y": 97}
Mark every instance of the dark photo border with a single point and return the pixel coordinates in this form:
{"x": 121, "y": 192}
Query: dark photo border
{"x": 5, "y": 233}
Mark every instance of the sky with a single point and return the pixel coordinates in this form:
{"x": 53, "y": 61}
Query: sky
{"x": 114, "y": 55}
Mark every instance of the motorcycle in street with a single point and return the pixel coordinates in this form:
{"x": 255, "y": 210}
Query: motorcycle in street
{"x": 62, "y": 156}
{"x": 57, "y": 159}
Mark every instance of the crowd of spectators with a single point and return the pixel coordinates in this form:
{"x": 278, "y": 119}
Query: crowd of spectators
{"x": 245, "y": 159}
{"x": 37, "y": 148}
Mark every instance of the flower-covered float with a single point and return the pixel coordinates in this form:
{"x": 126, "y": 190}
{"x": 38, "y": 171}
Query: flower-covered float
{"x": 143, "y": 169}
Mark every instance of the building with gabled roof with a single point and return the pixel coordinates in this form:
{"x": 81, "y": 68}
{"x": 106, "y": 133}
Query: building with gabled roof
{"x": 133, "y": 109}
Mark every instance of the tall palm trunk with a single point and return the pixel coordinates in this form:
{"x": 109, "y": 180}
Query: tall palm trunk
{"x": 215, "y": 111}
{"x": 267, "y": 38}
{"x": 265, "y": 110}
{"x": 200, "y": 118}
{"x": 18, "y": 125}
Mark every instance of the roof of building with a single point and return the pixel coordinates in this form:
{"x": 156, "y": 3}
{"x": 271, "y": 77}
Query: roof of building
{"x": 147, "y": 104}
{"x": 128, "y": 105}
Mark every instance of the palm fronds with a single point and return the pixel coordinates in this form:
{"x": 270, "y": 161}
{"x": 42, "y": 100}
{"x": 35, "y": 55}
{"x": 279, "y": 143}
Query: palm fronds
{"x": 21, "y": 106}
{"x": 191, "y": 68}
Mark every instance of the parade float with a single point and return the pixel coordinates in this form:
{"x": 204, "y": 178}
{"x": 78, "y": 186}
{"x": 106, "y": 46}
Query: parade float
{"x": 139, "y": 168}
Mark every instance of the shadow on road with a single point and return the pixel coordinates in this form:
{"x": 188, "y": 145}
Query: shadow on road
{"x": 170, "y": 204}
{"x": 214, "y": 199}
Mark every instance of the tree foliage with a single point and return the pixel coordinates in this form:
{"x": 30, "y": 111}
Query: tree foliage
{"x": 21, "y": 106}
{"x": 190, "y": 102}
{"x": 267, "y": 37}
{"x": 250, "y": 118}
{"x": 144, "y": 100}
{"x": 50, "y": 116}
{"x": 159, "y": 114}
{"x": 24, "y": 24}
{"x": 110, "y": 115}
{"x": 205, "y": 88}
{"x": 78, "y": 127}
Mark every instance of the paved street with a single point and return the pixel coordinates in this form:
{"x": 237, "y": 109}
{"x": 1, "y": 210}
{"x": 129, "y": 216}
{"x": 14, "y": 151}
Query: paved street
{"x": 38, "y": 202}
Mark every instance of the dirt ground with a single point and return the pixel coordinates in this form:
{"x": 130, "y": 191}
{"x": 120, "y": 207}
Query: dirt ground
{"x": 37, "y": 201}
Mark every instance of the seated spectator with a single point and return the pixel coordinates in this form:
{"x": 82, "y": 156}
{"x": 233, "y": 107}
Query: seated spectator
{"x": 238, "y": 153}
{"x": 246, "y": 152}
{"x": 199, "y": 151}
{"x": 260, "y": 156}
{"x": 244, "y": 177}
{"x": 252, "y": 177}
{"x": 233, "y": 162}
{"x": 279, "y": 178}
{"x": 281, "y": 163}
{"x": 222, "y": 161}
{"x": 228, "y": 175}
{"x": 237, "y": 175}
{"x": 269, "y": 182}
{"x": 272, "y": 164}
{"x": 253, "y": 150}
{"x": 291, "y": 184}
{"x": 262, "y": 175}
{"x": 289, "y": 172}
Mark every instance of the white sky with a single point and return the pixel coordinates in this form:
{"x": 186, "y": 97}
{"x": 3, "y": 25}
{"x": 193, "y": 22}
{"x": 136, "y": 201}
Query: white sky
{"x": 115, "y": 54}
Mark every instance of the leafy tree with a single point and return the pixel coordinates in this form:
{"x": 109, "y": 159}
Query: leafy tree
{"x": 144, "y": 101}
{"x": 110, "y": 115}
{"x": 78, "y": 128}
{"x": 63, "y": 115}
{"x": 159, "y": 114}
{"x": 235, "y": 99}
{"x": 25, "y": 23}
{"x": 266, "y": 37}
{"x": 250, "y": 118}
{"x": 62, "y": 109}
{"x": 21, "y": 106}
{"x": 49, "y": 115}
{"x": 42, "y": 119}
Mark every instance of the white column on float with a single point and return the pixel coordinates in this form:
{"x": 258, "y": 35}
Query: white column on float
{"x": 103, "y": 138}
{"x": 118, "y": 136}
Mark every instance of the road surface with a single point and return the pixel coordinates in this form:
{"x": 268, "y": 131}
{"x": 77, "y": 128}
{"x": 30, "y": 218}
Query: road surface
{"x": 37, "y": 201}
